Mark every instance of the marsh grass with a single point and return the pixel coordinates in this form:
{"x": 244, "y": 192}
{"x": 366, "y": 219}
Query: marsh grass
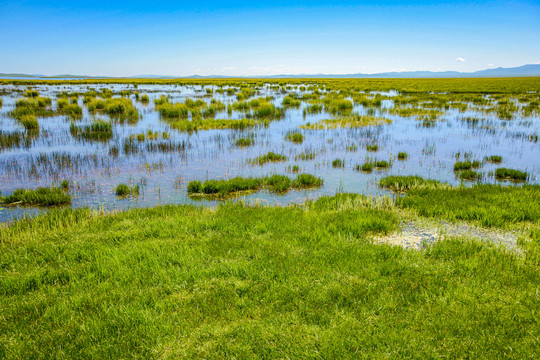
{"x": 118, "y": 108}
{"x": 244, "y": 142}
{"x": 29, "y": 122}
{"x": 64, "y": 107}
{"x": 467, "y": 165}
{"x": 13, "y": 139}
{"x": 511, "y": 174}
{"x": 124, "y": 190}
{"x": 402, "y": 155}
{"x": 39, "y": 197}
{"x": 98, "y": 130}
{"x": 370, "y": 164}
{"x": 351, "y": 121}
{"x": 238, "y": 186}
{"x": 494, "y": 159}
{"x": 470, "y": 175}
{"x": 268, "y": 157}
{"x": 406, "y": 183}
{"x": 208, "y": 124}
{"x": 295, "y": 137}
{"x": 372, "y": 147}
{"x": 338, "y": 163}
{"x": 244, "y": 281}
{"x": 38, "y": 106}
{"x": 486, "y": 204}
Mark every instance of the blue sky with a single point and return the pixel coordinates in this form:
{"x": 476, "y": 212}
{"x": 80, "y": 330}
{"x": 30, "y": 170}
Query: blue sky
{"x": 118, "y": 38}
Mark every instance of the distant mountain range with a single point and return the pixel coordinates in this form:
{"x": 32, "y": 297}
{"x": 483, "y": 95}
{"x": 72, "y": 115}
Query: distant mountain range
{"x": 525, "y": 70}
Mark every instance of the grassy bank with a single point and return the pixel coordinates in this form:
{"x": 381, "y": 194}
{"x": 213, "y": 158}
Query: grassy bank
{"x": 259, "y": 282}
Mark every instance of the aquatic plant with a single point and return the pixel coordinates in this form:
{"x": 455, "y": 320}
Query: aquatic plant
{"x": 470, "y": 175}
{"x": 144, "y": 99}
{"x": 98, "y": 130}
{"x": 29, "y": 122}
{"x": 268, "y": 157}
{"x": 351, "y": 121}
{"x": 369, "y": 165}
{"x": 511, "y": 174}
{"x": 406, "y": 183}
{"x": 295, "y": 137}
{"x": 238, "y": 185}
{"x": 244, "y": 142}
{"x": 494, "y": 159}
{"x": 291, "y": 101}
{"x": 126, "y": 190}
{"x": 466, "y": 165}
{"x": 38, "y": 106}
{"x": 372, "y": 147}
{"x": 402, "y": 155}
{"x": 38, "y": 197}
{"x": 338, "y": 163}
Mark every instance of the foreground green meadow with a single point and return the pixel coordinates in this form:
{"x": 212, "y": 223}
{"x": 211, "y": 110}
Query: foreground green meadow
{"x": 244, "y": 281}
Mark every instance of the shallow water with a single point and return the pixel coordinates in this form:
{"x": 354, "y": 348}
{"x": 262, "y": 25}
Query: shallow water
{"x": 211, "y": 154}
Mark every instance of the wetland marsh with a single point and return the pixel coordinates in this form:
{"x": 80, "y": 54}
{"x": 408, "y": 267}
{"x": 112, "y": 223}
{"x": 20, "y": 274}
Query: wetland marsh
{"x": 332, "y": 218}
{"x": 161, "y": 135}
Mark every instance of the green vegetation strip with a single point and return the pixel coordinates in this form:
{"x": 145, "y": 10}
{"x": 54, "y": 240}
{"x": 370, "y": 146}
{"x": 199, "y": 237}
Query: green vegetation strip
{"x": 276, "y": 183}
{"x": 259, "y": 282}
{"x": 347, "y": 122}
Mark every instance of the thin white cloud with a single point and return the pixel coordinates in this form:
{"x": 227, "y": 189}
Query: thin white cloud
{"x": 460, "y": 59}
{"x": 491, "y": 65}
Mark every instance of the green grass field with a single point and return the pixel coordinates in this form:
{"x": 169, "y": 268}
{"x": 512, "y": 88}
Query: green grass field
{"x": 244, "y": 281}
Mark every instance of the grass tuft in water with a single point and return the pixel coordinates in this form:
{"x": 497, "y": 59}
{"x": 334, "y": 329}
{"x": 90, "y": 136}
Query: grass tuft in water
{"x": 510, "y": 174}
{"x": 126, "y": 190}
{"x": 38, "y": 197}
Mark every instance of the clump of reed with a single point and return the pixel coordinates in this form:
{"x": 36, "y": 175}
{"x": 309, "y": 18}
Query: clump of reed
{"x": 39, "y": 197}
{"x": 207, "y": 124}
{"x": 99, "y": 130}
{"x": 126, "y": 190}
{"x": 470, "y": 175}
{"x": 405, "y": 183}
{"x": 244, "y": 142}
{"x": 268, "y": 157}
{"x": 31, "y": 93}
{"x": 350, "y": 121}
{"x": 64, "y": 107}
{"x": 511, "y": 174}
{"x": 338, "y": 163}
{"x": 238, "y": 185}
{"x": 38, "y": 106}
{"x": 144, "y": 99}
{"x": 10, "y": 140}
{"x": 402, "y": 155}
{"x": 291, "y": 101}
{"x": 372, "y": 147}
{"x": 494, "y": 159}
{"x": 295, "y": 137}
{"x": 369, "y": 165}
{"x": 29, "y": 122}
{"x": 119, "y": 108}
{"x": 466, "y": 165}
